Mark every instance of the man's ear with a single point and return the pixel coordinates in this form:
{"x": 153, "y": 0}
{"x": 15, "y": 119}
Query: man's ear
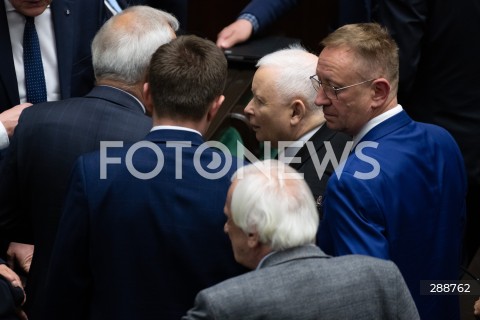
{"x": 298, "y": 111}
{"x": 381, "y": 91}
{"x": 253, "y": 240}
{"x": 148, "y": 101}
{"x": 215, "y": 107}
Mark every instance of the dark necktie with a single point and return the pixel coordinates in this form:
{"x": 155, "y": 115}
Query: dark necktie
{"x": 32, "y": 61}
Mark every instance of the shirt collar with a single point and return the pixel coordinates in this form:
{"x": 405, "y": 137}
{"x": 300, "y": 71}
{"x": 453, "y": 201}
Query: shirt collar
{"x": 291, "y": 150}
{"x": 8, "y": 6}
{"x": 141, "y": 104}
{"x": 264, "y": 258}
{"x": 375, "y": 122}
{"x": 155, "y": 128}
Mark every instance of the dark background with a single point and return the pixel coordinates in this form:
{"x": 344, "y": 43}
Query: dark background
{"x": 308, "y": 22}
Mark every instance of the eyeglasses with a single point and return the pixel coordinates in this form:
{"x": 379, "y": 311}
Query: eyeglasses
{"x": 330, "y": 91}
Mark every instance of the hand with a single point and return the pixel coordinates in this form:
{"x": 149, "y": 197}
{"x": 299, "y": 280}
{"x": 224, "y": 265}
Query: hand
{"x": 21, "y": 253}
{"x": 10, "y": 275}
{"x": 239, "y": 31}
{"x": 9, "y": 118}
{"x": 476, "y": 308}
{"x": 14, "y": 279}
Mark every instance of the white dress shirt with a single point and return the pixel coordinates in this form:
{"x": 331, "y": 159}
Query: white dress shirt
{"x": 375, "y": 122}
{"x": 287, "y": 154}
{"x": 46, "y": 37}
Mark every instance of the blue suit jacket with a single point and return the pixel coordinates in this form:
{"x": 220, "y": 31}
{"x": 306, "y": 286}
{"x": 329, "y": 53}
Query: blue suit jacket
{"x": 412, "y": 212}
{"x": 267, "y": 11}
{"x": 75, "y": 24}
{"x": 47, "y": 141}
{"x": 349, "y": 11}
{"x": 129, "y": 248}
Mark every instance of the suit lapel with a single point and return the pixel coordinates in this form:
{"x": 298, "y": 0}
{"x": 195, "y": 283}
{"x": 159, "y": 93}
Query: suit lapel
{"x": 7, "y": 67}
{"x": 323, "y": 134}
{"x": 116, "y": 96}
{"x": 63, "y": 13}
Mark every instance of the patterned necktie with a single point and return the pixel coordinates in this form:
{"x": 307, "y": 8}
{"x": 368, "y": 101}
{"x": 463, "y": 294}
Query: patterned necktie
{"x": 32, "y": 60}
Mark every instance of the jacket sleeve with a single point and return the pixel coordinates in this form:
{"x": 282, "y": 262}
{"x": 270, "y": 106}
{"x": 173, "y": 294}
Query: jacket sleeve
{"x": 202, "y": 308}
{"x": 267, "y": 11}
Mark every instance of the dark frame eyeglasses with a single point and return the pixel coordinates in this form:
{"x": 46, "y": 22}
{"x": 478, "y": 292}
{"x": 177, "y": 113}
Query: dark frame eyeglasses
{"x": 330, "y": 91}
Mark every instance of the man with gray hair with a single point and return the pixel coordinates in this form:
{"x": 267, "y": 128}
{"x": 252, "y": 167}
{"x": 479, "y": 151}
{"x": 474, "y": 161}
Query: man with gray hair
{"x": 283, "y": 113}
{"x": 52, "y": 135}
{"x": 272, "y": 222}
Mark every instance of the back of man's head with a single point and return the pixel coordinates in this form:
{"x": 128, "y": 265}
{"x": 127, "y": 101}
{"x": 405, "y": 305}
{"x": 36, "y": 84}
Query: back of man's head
{"x": 273, "y": 200}
{"x": 185, "y": 77}
{"x": 122, "y": 48}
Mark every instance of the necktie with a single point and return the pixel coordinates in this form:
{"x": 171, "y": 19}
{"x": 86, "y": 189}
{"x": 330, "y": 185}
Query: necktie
{"x": 32, "y": 60}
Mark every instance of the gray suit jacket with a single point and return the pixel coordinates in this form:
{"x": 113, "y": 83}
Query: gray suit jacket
{"x": 305, "y": 283}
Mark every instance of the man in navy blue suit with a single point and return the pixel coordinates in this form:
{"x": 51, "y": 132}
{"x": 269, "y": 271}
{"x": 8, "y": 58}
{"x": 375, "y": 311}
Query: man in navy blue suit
{"x": 65, "y": 31}
{"x": 142, "y": 227}
{"x": 401, "y": 193}
{"x": 52, "y": 135}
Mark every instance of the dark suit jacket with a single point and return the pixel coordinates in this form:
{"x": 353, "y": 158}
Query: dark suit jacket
{"x": 304, "y": 283}
{"x": 75, "y": 24}
{"x": 47, "y": 141}
{"x": 409, "y": 207}
{"x": 439, "y": 80}
{"x": 310, "y": 161}
{"x": 129, "y": 248}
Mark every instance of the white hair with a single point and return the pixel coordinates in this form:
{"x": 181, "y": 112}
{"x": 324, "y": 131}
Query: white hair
{"x": 273, "y": 199}
{"x": 122, "y": 52}
{"x": 295, "y": 65}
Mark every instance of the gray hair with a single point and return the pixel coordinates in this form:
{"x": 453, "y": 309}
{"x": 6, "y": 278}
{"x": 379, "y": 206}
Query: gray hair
{"x": 273, "y": 199}
{"x": 122, "y": 51}
{"x": 295, "y": 65}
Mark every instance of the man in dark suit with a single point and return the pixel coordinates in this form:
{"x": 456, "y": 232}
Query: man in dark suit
{"x": 51, "y": 136}
{"x": 141, "y": 231}
{"x": 272, "y": 222}
{"x": 401, "y": 193}
{"x": 439, "y": 80}
{"x": 282, "y": 113}
{"x": 62, "y": 25}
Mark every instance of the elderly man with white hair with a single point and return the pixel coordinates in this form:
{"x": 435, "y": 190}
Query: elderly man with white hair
{"x": 283, "y": 113}
{"x": 272, "y": 222}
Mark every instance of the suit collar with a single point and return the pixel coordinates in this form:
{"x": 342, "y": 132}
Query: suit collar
{"x": 399, "y": 120}
{"x": 297, "y": 253}
{"x": 116, "y": 96}
{"x": 63, "y": 15}
{"x": 7, "y": 67}
{"x": 164, "y": 135}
